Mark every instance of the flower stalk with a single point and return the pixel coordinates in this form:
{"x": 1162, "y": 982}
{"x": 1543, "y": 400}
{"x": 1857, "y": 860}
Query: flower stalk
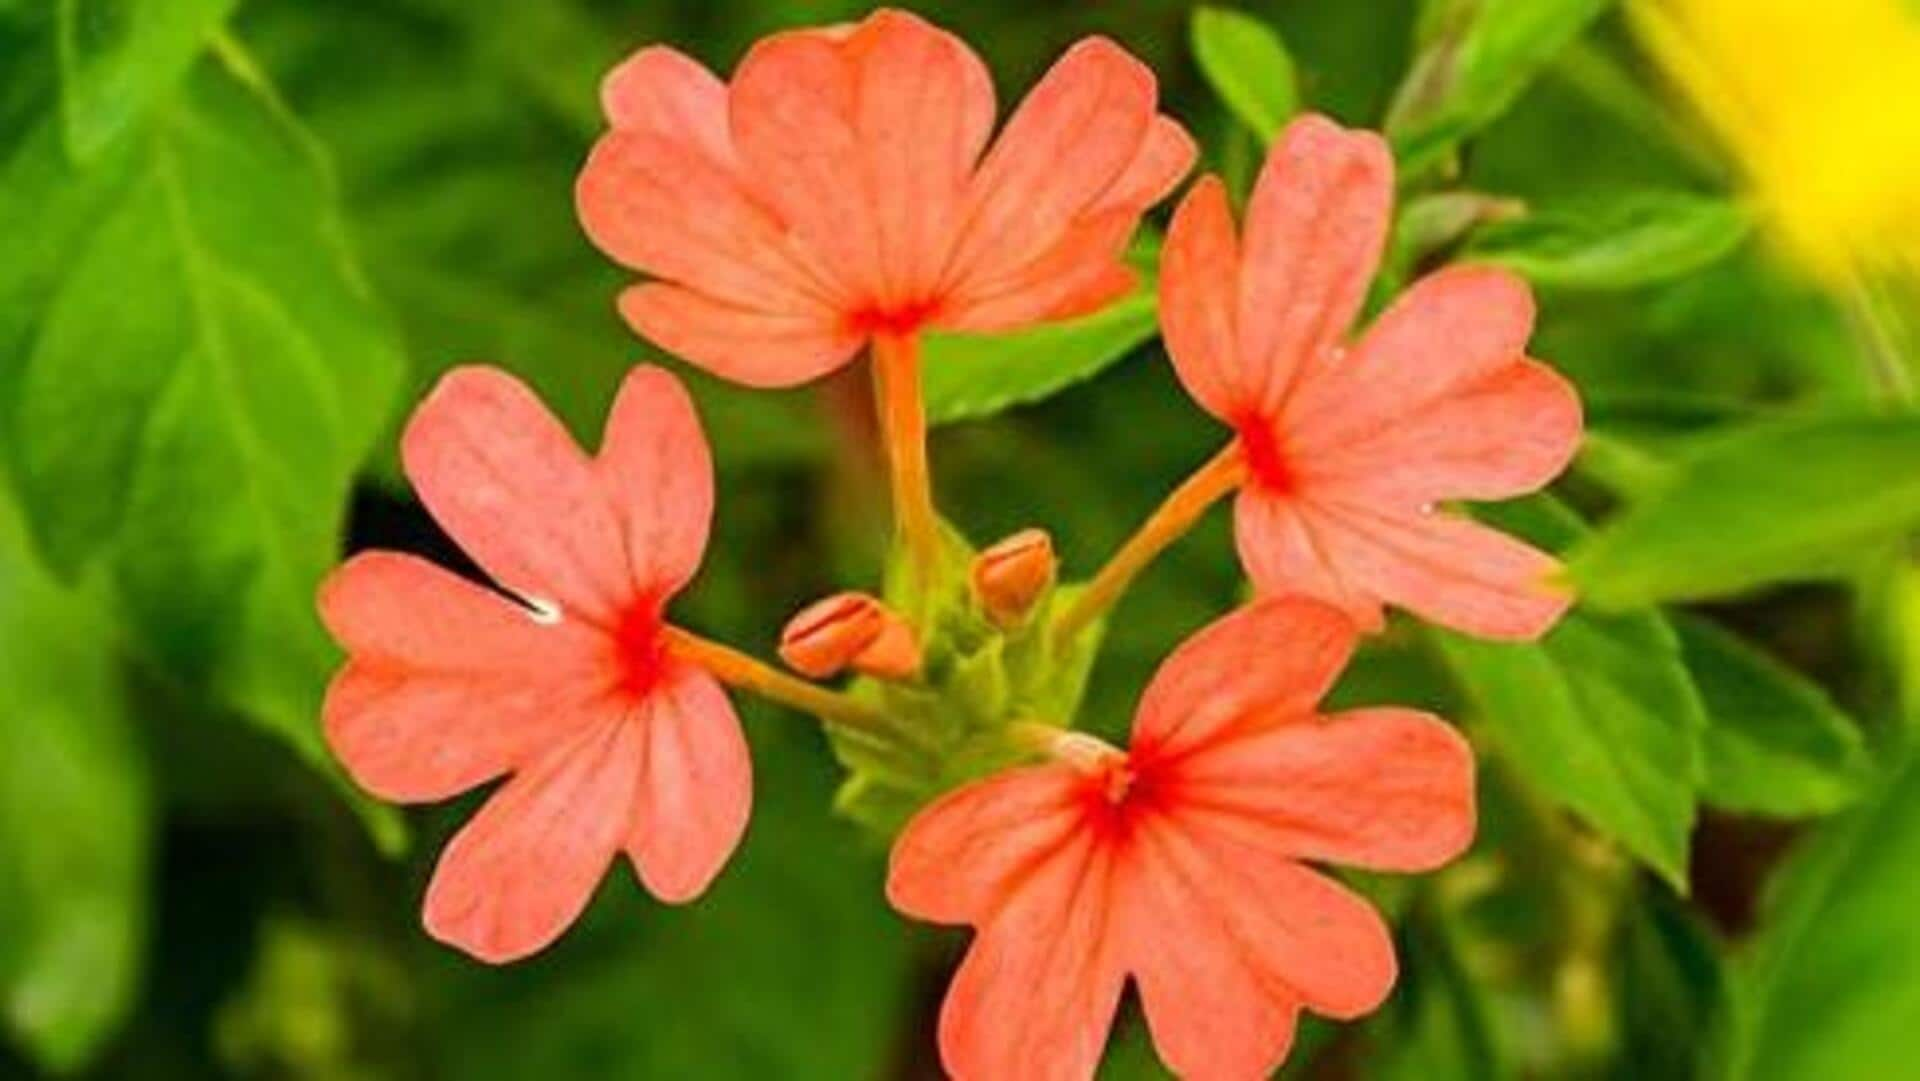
{"x": 738, "y": 670}
{"x": 903, "y": 418}
{"x": 1221, "y": 475}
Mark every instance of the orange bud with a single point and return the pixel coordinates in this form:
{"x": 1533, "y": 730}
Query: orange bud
{"x": 893, "y": 655}
{"x": 826, "y": 635}
{"x": 1010, "y": 577}
{"x": 849, "y": 629}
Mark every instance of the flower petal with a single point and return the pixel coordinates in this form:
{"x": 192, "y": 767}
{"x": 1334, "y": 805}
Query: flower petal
{"x": 449, "y": 685}
{"x": 926, "y": 111}
{"x": 1199, "y": 276}
{"x": 1212, "y": 1010}
{"x": 863, "y": 144}
{"x": 404, "y": 612}
{"x": 1275, "y": 656}
{"x": 966, "y": 852}
{"x": 1069, "y": 143}
{"x": 666, "y": 208}
{"x": 1285, "y": 551}
{"x": 1446, "y": 569}
{"x": 1165, "y": 155}
{"x": 792, "y": 116}
{"x": 1036, "y": 995}
{"x": 1382, "y": 789}
{"x": 658, "y": 473}
{"x": 1452, "y": 329}
{"x": 664, "y": 92}
{"x": 1316, "y": 225}
{"x": 1504, "y": 435}
{"x": 1083, "y": 273}
{"x": 425, "y": 737}
{"x": 695, "y": 788}
{"x": 663, "y": 193}
{"x": 1293, "y": 931}
{"x": 757, "y": 348}
{"x": 509, "y": 484}
{"x": 523, "y": 870}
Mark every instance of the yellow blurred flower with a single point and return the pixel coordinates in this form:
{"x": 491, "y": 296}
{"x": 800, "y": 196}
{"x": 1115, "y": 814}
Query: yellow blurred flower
{"x": 1819, "y": 102}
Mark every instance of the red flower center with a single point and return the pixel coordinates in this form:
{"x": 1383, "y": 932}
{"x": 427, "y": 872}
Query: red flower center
{"x": 1266, "y": 462}
{"x": 1117, "y": 796}
{"x": 640, "y": 648}
{"x": 897, "y": 321}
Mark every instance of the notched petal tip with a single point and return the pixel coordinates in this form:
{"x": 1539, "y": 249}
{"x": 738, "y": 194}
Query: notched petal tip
{"x": 1276, "y": 654}
{"x": 1101, "y": 49}
{"x": 1562, "y": 413}
{"x": 695, "y": 795}
{"x": 460, "y": 388}
{"x": 1199, "y": 275}
{"x": 1318, "y": 135}
{"x": 481, "y": 949}
{"x": 652, "y": 84}
{"x": 336, "y": 595}
{"x": 471, "y": 378}
{"x": 653, "y": 400}
{"x": 1498, "y": 293}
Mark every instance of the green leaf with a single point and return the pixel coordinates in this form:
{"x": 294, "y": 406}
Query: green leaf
{"x": 74, "y": 817}
{"x": 1430, "y": 226}
{"x": 1776, "y": 745}
{"x": 1623, "y": 241}
{"x": 1247, "y": 65}
{"x": 1671, "y": 984}
{"x": 459, "y": 117}
{"x": 1891, "y": 615}
{"x": 1622, "y": 466}
{"x": 969, "y": 376}
{"x": 1833, "y": 988}
{"x": 1600, "y": 715}
{"x": 118, "y": 58}
{"x": 1777, "y": 501}
{"x": 193, "y": 368}
{"x": 1477, "y": 58}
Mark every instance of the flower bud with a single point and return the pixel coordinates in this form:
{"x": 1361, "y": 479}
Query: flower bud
{"x": 849, "y": 630}
{"x": 893, "y": 655}
{"x": 1011, "y": 577}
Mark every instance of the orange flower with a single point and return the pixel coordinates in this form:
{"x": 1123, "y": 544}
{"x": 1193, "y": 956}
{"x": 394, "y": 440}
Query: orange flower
{"x": 569, "y": 683}
{"x": 1347, "y": 450}
{"x": 1179, "y": 862}
{"x": 837, "y": 190}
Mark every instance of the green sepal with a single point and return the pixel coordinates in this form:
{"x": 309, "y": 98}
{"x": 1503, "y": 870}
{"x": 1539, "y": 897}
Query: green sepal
{"x": 954, "y": 724}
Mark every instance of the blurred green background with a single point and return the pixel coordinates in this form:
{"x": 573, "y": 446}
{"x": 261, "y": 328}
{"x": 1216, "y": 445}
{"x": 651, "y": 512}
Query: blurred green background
{"x": 237, "y": 238}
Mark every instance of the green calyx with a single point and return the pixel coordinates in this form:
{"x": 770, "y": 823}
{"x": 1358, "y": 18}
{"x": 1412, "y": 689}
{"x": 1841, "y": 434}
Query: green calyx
{"x": 956, "y": 722}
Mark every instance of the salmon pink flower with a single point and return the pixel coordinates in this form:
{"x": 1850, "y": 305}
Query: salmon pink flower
{"x": 568, "y": 684}
{"x": 1347, "y": 449}
{"x": 841, "y": 188}
{"x": 1181, "y": 862}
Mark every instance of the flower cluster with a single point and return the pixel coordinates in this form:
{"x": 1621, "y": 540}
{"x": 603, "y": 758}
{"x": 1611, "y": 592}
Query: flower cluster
{"x": 844, "y": 193}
